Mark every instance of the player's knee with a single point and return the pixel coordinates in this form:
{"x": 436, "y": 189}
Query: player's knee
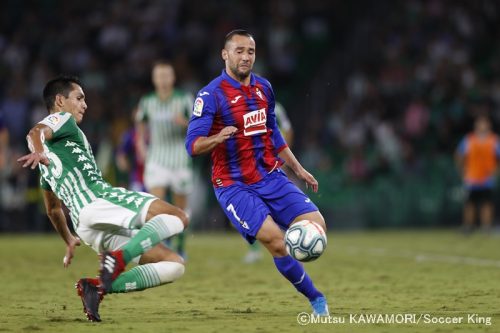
{"x": 319, "y": 219}
{"x": 181, "y": 215}
{"x": 276, "y": 246}
{"x": 321, "y": 222}
{"x": 174, "y": 257}
{"x": 178, "y": 271}
{"x": 184, "y": 218}
{"x": 169, "y": 271}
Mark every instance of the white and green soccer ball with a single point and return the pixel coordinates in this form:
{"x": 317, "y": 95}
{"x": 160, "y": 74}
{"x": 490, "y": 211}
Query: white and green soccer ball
{"x": 305, "y": 240}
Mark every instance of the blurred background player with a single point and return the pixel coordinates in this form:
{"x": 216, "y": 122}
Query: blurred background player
{"x": 233, "y": 119}
{"x": 477, "y": 158}
{"x": 162, "y": 120}
{"x": 254, "y": 254}
{"x": 284, "y": 123}
{"x": 127, "y": 158}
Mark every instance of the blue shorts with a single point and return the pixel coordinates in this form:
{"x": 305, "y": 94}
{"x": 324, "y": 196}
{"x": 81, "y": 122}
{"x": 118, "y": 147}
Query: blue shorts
{"x": 247, "y": 206}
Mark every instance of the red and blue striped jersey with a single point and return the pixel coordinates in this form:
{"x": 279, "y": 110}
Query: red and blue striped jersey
{"x": 252, "y": 152}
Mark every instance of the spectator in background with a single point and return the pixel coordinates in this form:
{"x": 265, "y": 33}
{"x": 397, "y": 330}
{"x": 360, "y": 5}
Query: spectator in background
{"x": 477, "y": 158}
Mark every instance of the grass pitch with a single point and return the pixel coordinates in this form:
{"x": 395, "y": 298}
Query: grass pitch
{"x": 439, "y": 273}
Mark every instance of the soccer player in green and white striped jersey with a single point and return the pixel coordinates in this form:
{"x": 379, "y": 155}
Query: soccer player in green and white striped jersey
{"x": 124, "y": 226}
{"x": 163, "y": 117}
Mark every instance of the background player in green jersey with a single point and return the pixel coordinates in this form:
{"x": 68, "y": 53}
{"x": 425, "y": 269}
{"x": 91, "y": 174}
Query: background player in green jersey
{"x": 162, "y": 120}
{"x": 124, "y": 226}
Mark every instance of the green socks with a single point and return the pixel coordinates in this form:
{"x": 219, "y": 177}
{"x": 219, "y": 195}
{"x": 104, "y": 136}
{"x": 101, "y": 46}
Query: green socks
{"x": 147, "y": 276}
{"x": 154, "y": 231}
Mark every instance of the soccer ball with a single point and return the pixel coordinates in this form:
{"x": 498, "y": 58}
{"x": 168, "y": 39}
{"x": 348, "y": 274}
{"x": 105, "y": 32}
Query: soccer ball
{"x": 305, "y": 240}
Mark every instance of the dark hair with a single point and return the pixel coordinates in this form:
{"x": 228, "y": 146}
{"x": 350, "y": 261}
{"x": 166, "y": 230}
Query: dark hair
{"x": 239, "y": 32}
{"x": 62, "y": 84}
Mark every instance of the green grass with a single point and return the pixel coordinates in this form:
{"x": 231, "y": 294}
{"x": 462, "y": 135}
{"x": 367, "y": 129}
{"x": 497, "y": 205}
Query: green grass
{"x": 440, "y": 273}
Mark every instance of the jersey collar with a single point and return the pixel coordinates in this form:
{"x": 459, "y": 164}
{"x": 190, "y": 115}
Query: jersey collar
{"x": 235, "y": 83}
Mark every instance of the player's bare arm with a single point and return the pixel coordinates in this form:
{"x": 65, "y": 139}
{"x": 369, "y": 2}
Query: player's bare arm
{"x": 36, "y": 136}
{"x": 292, "y": 162}
{"x": 141, "y": 140}
{"x": 206, "y": 144}
{"x": 181, "y": 120}
{"x": 53, "y": 206}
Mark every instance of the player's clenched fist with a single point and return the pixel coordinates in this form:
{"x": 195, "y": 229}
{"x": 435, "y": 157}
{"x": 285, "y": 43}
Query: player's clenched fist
{"x": 226, "y": 133}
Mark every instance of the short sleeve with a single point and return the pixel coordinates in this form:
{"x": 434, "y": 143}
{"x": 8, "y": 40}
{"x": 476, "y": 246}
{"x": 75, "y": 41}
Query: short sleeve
{"x": 141, "y": 114}
{"x": 202, "y": 118}
{"x": 61, "y": 124}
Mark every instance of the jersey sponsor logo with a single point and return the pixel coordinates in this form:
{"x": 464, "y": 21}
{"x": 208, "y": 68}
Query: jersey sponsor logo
{"x": 255, "y": 122}
{"x": 308, "y": 200}
{"x": 203, "y": 93}
{"x": 198, "y": 107}
{"x": 235, "y": 100}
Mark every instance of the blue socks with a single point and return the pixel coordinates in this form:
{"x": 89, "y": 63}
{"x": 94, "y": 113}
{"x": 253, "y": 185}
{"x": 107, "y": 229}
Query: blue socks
{"x": 295, "y": 273}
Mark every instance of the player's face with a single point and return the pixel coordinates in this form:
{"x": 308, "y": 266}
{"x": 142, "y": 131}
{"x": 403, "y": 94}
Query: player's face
{"x": 482, "y": 125}
{"x": 163, "y": 77}
{"x": 239, "y": 55}
{"x": 75, "y": 103}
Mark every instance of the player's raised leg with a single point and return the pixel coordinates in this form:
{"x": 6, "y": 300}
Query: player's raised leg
{"x": 272, "y": 238}
{"x": 159, "y": 192}
{"x": 163, "y": 220}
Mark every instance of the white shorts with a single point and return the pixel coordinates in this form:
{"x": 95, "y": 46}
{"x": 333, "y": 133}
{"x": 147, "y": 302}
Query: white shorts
{"x": 105, "y": 226}
{"x": 179, "y": 180}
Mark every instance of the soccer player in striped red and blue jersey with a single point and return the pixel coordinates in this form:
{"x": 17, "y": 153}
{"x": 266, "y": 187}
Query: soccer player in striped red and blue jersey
{"x": 233, "y": 119}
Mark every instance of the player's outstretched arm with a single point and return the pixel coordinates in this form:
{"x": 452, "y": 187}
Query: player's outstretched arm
{"x": 53, "y": 206}
{"x": 36, "y": 136}
{"x": 290, "y": 160}
{"x": 204, "y": 144}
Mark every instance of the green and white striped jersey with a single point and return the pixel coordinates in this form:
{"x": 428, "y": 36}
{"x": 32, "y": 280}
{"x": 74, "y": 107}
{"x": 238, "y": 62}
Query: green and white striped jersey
{"x": 282, "y": 120}
{"x": 73, "y": 174}
{"x": 166, "y": 137}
